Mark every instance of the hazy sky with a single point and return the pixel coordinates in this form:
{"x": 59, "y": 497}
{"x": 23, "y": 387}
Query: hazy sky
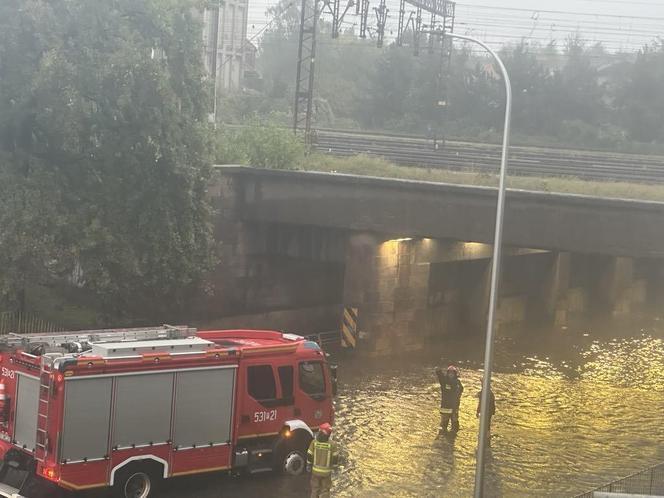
{"x": 643, "y": 8}
{"x": 619, "y": 25}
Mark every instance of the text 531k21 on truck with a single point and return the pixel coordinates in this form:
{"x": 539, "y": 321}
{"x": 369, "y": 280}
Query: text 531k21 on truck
{"x": 128, "y": 408}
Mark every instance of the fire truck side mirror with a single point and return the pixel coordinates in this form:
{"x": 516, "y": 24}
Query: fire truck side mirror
{"x": 333, "y": 372}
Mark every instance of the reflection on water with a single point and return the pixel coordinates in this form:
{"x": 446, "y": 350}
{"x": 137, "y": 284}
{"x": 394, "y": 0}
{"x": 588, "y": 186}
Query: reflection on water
{"x": 574, "y": 409}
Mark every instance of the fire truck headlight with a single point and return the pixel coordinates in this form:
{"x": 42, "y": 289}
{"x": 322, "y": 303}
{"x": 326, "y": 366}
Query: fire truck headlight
{"x": 286, "y": 432}
{"x": 49, "y": 473}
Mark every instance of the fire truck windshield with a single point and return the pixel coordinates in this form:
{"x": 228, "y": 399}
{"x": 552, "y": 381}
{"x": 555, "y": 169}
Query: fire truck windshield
{"x": 312, "y": 379}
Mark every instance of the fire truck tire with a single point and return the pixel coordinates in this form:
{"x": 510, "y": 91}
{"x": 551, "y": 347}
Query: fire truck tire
{"x": 138, "y": 481}
{"x": 291, "y": 454}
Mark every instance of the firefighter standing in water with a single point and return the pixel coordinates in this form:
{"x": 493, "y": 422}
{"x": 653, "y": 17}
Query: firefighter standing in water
{"x": 322, "y": 457}
{"x": 451, "y": 390}
{"x": 492, "y": 409}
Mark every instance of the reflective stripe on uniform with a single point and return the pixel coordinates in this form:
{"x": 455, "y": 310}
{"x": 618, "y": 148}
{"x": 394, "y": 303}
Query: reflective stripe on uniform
{"x": 322, "y": 458}
{"x": 446, "y": 410}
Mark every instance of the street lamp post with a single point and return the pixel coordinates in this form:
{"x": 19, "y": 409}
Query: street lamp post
{"x": 495, "y": 272}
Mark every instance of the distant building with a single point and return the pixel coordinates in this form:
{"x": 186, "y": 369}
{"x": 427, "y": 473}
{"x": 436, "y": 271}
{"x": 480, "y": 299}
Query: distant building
{"x": 252, "y": 79}
{"x": 250, "y": 53}
{"x": 224, "y": 42}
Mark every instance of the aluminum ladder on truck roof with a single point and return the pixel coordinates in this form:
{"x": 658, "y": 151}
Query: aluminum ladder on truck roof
{"x": 55, "y": 340}
{"x": 43, "y": 410}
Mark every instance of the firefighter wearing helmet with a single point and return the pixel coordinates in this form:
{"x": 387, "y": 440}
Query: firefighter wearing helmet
{"x": 322, "y": 457}
{"x": 451, "y": 389}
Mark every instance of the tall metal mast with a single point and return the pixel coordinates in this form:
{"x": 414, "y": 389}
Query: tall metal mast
{"x": 306, "y": 63}
{"x": 442, "y": 21}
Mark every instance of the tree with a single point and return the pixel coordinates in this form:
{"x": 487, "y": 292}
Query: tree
{"x": 577, "y": 95}
{"x": 278, "y": 49}
{"x": 640, "y": 100}
{"x": 531, "y": 85}
{"x": 104, "y": 151}
{"x": 390, "y": 84}
{"x": 260, "y": 144}
{"x": 578, "y": 92}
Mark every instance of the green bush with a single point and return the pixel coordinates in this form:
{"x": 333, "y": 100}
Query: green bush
{"x": 229, "y": 148}
{"x": 260, "y": 145}
{"x": 269, "y": 146}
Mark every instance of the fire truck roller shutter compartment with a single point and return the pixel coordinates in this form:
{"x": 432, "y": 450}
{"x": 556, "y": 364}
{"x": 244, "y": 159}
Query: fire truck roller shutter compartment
{"x": 86, "y": 418}
{"x": 142, "y": 409}
{"x": 25, "y": 431}
{"x": 204, "y": 407}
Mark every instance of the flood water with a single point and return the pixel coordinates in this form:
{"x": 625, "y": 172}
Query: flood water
{"x": 575, "y": 408}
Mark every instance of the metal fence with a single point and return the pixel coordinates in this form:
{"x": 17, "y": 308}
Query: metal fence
{"x": 327, "y": 340}
{"x": 24, "y": 323}
{"x": 649, "y": 482}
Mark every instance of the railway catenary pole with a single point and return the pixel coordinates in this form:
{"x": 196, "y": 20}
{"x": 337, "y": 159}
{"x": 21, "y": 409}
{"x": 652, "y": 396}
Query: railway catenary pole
{"x": 215, "y": 62}
{"x": 495, "y": 271}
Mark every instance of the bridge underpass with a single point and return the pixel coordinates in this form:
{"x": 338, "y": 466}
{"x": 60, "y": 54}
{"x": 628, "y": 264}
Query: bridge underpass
{"x": 411, "y": 292}
{"x": 281, "y": 269}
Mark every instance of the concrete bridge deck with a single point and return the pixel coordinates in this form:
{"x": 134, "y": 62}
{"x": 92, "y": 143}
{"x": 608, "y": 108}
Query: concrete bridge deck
{"x": 540, "y": 220}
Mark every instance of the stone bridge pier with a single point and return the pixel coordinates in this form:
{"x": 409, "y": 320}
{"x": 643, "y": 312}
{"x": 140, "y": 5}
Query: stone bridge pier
{"x": 413, "y": 292}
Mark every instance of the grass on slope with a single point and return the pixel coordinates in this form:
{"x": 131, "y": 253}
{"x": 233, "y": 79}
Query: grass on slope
{"x": 373, "y": 166}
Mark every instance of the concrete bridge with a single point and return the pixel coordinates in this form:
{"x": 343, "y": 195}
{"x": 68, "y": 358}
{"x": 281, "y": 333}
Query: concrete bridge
{"x": 544, "y": 220}
{"x": 414, "y": 256}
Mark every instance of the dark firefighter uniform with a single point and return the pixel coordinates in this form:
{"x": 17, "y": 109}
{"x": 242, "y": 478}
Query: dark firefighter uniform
{"x": 451, "y": 390}
{"x": 322, "y": 456}
{"x": 491, "y": 412}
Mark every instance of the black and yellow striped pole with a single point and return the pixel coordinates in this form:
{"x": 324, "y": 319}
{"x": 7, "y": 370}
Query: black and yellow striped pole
{"x": 349, "y": 329}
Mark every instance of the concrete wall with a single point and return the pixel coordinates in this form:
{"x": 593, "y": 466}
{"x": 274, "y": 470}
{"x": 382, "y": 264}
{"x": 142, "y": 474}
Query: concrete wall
{"x": 272, "y": 275}
{"x": 540, "y": 220}
{"x": 385, "y": 280}
{"x": 301, "y": 321}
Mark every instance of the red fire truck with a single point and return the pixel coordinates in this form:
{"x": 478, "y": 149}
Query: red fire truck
{"x": 128, "y": 408}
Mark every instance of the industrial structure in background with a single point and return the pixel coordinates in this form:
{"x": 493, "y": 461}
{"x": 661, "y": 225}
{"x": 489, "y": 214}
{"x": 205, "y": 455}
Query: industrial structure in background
{"x": 227, "y": 54}
{"x": 412, "y": 31}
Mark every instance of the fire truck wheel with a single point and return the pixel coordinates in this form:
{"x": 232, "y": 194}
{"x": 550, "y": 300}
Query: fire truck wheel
{"x": 291, "y": 455}
{"x": 137, "y": 481}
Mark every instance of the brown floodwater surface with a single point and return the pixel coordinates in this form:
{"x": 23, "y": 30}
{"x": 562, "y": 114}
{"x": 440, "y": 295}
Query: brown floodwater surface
{"x": 574, "y": 410}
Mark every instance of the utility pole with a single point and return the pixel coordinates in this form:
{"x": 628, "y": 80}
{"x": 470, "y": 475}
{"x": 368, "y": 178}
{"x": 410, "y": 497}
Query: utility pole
{"x": 442, "y": 13}
{"x": 495, "y": 272}
{"x": 381, "y": 20}
{"x": 306, "y": 64}
{"x": 215, "y": 59}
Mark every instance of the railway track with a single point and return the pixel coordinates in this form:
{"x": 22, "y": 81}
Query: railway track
{"x": 485, "y": 158}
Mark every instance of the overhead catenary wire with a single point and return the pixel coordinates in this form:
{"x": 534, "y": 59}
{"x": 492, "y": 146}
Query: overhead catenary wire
{"x": 574, "y": 13}
{"x": 498, "y": 23}
{"x": 369, "y": 43}
{"x": 474, "y": 8}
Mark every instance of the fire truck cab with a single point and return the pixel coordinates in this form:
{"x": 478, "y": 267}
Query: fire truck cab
{"x": 129, "y": 408}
